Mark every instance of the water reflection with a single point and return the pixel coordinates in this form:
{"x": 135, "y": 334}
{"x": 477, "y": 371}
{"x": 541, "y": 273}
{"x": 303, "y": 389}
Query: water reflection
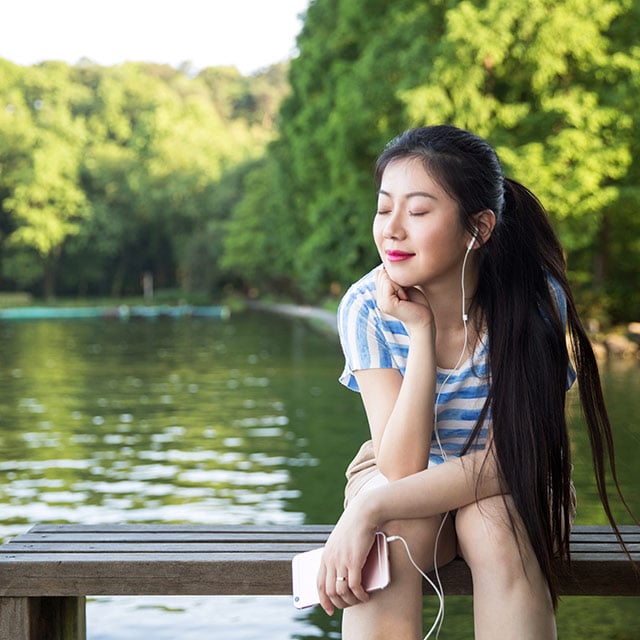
{"x": 186, "y": 420}
{"x": 203, "y": 421}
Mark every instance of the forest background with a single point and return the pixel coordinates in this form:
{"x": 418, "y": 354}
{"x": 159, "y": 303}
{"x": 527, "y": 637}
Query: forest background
{"x": 216, "y": 182}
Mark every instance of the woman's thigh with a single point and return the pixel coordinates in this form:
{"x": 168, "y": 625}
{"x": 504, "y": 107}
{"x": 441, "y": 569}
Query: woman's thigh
{"x": 429, "y": 540}
{"x": 396, "y": 611}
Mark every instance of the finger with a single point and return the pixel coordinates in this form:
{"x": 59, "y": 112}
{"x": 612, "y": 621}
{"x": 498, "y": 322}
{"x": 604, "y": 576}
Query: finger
{"x": 382, "y": 277}
{"x": 343, "y": 591}
{"x": 335, "y": 589}
{"x": 327, "y": 585}
{"x": 325, "y": 601}
{"x": 355, "y": 586}
{"x": 415, "y": 295}
{"x": 346, "y": 601}
{"x": 338, "y": 590}
{"x": 387, "y": 289}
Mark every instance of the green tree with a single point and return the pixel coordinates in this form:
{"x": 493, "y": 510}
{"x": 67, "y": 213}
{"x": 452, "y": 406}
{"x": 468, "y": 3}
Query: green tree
{"x": 107, "y": 172}
{"x": 550, "y": 83}
{"x": 254, "y": 236}
{"x": 339, "y": 113}
{"x": 44, "y": 202}
{"x": 553, "y": 84}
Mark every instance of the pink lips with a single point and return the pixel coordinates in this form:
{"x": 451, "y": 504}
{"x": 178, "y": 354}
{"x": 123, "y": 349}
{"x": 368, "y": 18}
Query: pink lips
{"x": 398, "y": 256}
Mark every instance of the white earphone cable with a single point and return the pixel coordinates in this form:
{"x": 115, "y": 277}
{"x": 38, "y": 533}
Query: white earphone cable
{"x": 437, "y": 624}
{"x": 462, "y": 353}
{"x": 438, "y": 591}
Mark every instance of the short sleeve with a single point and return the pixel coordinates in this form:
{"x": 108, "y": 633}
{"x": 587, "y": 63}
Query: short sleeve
{"x": 364, "y": 333}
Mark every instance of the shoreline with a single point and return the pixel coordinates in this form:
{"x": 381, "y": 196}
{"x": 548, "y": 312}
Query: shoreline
{"x": 327, "y": 319}
{"x": 621, "y": 343}
{"x": 614, "y": 346}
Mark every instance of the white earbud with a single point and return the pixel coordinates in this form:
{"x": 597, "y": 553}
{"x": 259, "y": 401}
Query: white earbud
{"x": 475, "y": 235}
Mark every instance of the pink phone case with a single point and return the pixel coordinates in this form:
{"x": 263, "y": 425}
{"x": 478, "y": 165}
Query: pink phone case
{"x": 305, "y": 567}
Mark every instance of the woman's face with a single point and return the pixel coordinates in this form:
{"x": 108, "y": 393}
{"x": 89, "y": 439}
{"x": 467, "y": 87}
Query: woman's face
{"x": 417, "y": 229}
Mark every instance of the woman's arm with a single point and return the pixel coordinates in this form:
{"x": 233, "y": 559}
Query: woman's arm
{"x": 445, "y": 487}
{"x": 400, "y": 409}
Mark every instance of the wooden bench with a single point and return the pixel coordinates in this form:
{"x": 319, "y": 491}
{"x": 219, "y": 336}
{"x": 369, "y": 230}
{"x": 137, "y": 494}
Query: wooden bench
{"x": 46, "y": 573}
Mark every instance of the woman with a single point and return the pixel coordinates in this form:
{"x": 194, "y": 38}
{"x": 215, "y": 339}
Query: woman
{"x": 457, "y": 346}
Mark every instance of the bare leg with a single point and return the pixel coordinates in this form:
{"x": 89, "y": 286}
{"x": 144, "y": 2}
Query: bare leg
{"x": 511, "y": 598}
{"x": 396, "y": 612}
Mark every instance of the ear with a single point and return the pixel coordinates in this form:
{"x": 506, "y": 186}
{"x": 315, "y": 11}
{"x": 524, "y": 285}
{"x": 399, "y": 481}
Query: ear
{"x": 484, "y": 222}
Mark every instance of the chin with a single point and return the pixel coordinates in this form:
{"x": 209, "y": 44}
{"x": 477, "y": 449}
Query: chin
{"x": 405, "y": 280}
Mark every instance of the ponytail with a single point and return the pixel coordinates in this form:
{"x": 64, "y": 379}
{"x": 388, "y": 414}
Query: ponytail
{"x": 521, "y": 265}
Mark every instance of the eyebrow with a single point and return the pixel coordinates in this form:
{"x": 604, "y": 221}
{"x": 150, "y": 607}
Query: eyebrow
{"x": 412, "y": 194}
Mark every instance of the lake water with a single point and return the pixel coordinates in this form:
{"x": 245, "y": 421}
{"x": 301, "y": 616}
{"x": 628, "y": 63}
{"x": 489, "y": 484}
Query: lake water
{"x": 220, "y": 422}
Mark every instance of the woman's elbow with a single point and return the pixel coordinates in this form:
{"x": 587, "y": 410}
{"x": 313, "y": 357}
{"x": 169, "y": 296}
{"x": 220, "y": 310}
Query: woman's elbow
{"x": 397, "y": 469}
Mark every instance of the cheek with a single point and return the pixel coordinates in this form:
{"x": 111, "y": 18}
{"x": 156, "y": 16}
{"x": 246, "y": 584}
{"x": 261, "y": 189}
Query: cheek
{"x": 378, "y": 227}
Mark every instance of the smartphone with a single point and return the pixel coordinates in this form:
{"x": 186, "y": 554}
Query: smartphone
{"x": 305, "y": 567}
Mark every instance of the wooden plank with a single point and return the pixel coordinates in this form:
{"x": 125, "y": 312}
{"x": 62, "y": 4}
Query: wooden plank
{"x": 172, "y": 531}
{"x": 199, "y": 579}
{"x": 145, "y": 557}
{"x": 248, "y": 548}
{"x": 591, "y": 531}
{"x": 455, "y": 578}
{"x": 70, "y": 560}
{"x": 609, "y": 544}
{"x": 48, "y": 547}
{"x": 600, "y": 579}
{"x": 175, "y": 533}
{"x": 301, "y": 529}
{"x": 240, "y": 549}
{"x": 291, "y": 528}
{"x": 149, "y": 578}
{"x": 228, "y": 576}
{"x": 157, "y": 535}
{"x": 152, "y": 537}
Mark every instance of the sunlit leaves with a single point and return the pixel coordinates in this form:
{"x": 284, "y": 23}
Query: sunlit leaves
{"x": 110, "y": 170}
{"x": 554, "y": 85}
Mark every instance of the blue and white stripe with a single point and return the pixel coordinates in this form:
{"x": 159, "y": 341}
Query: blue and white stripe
{"x": 373, "y": 340}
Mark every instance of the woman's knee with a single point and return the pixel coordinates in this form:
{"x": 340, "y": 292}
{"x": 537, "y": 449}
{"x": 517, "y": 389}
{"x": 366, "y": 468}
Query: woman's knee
{"x": 491, "y": 538}
{"x": 427, "y": 539}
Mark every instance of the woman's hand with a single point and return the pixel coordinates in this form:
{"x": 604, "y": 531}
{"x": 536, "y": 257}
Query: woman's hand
{"x": 408, "y": 304}
{"x": 344, "y": 556}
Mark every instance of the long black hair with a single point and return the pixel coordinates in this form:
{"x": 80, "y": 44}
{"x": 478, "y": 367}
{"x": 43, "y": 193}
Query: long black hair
{"x": 529, "y": 358}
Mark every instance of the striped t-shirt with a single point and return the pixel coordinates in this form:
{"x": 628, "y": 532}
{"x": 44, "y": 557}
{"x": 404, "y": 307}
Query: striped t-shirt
{"x": 374, "y": 340}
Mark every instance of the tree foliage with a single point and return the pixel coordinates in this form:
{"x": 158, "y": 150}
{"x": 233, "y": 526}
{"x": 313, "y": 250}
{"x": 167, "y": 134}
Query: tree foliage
{"x": 265, "y": 182}
{"x": 553, "y": 84}
{"x": 108, "y": 172}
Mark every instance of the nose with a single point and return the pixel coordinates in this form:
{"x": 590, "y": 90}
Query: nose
{"x": 393, "y": 228}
